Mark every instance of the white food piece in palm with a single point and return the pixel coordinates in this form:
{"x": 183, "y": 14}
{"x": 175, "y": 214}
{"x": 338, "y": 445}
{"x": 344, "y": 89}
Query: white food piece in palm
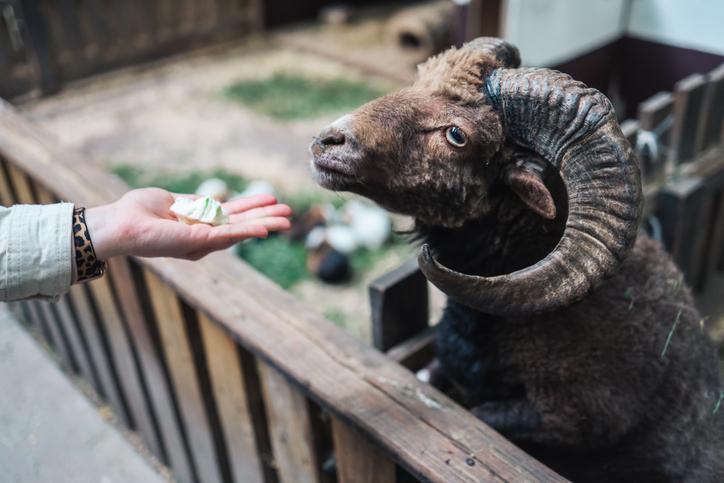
{"x": 202, "y": 210}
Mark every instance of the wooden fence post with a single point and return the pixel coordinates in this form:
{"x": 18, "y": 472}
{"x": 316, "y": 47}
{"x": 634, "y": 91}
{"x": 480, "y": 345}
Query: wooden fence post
{"x": 290, "y": 428}
{"x": 399, "y": 302}
{"x": 712, "y": 121}
{"x": 38, "y": 42}
{"x": 684, "y": 207}
{"x": 654, "y": 116}
{"x": 688, "y": 97}
{"x": 357, "y": 460}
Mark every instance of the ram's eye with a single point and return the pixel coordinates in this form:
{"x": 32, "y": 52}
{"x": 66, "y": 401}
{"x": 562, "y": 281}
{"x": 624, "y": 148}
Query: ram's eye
{"x": 456, "y": 136}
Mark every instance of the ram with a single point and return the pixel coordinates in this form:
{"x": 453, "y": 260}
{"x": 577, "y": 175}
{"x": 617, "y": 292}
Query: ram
{"x": 566, "y": 330}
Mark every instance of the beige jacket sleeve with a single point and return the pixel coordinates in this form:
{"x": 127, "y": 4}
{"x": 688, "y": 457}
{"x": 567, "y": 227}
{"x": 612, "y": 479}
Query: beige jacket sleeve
{"x": 36, "y": 251}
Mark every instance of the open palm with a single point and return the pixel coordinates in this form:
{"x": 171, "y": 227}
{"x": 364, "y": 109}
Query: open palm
{"x": 141, "y": 224}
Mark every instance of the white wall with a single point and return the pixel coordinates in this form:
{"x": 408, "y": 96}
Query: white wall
{"x": 694, "y": 24}
{"x": 548, "y": 32}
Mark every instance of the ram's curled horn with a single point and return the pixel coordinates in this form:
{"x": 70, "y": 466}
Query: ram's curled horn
{"x": 505, "y": 53}
{"x": 574, "y": 128}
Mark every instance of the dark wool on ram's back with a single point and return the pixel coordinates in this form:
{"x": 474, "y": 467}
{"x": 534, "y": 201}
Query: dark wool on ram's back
{"x": 564, "y": 330}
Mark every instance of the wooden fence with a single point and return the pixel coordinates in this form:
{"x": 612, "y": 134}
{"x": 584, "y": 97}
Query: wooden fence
{"x": 679, "y": 137}
{"x": 225, "y": 376}
{"x": 46, "y": 43}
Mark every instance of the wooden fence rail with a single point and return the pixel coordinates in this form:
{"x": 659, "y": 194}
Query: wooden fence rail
{"x": 47, "y": 43}
{"x": 228, "y": 378}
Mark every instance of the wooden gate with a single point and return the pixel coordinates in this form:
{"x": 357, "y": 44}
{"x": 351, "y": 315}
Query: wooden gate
{"x": 46, "y": 43}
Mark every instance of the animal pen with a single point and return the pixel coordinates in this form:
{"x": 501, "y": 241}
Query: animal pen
{"x": 226, "y": 377}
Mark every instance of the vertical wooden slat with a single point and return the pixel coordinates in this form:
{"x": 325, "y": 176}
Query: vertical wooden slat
{"x": 230, "y": 394}
{"x": 80, "y": 354}
{"x": 21, "y": 185}
{"x": 98, "y": 27}
{"x": 688, "y": 96}
{"x": 289, "y": 427}
{"x": 399, "y": 301}
{"x": 31, "y": 308}
{"x": 358, "y": 461}
{"x": 87, "y": 319}
{"x": 57, "y": 340}
{"x": 40, "y": 46}
{"x": 653, "y": 116}
{"x": 713, "y": 111}
{"x": 684, "y": 208}
{"x": 44, "y": 324}
{"x": 6, "y": 194}
{"x": 157, "y": 385}
{"x": 179, "y": 360}
{"x": 124, "y": 361}
{"x": 714, "y": 255}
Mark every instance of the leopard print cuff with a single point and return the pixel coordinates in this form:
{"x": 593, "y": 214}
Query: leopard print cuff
{"x": 88, "y": 267}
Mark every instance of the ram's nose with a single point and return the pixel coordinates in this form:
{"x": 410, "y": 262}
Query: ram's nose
{"x": 332, "y": 136}
{"x": 336, "y": 134}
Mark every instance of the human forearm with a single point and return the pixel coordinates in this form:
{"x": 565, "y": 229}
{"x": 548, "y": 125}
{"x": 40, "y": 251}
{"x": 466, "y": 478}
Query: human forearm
{"x": 35, "y": 251}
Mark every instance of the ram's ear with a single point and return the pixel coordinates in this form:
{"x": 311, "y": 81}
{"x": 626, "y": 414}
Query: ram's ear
{"x": 526, "y": 181}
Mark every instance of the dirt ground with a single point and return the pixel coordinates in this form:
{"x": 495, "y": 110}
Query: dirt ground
{"x": 175, "y": 116}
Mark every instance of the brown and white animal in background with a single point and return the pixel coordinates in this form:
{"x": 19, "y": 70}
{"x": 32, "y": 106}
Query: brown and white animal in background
{"x": 570, "y": 333}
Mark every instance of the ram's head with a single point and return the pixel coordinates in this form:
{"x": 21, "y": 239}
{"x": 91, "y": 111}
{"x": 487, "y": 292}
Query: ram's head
{"x": 475, "y": 124}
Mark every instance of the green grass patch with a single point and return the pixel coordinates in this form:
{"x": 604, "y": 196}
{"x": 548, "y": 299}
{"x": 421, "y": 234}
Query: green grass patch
{"x": 278, "y": 258}
{"x": 336, "y": 316}
{"x": 289, "y": 96}
{"x": 185, "y": 182}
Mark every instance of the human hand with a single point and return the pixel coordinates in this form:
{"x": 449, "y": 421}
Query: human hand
{"x": 141, "y": 224}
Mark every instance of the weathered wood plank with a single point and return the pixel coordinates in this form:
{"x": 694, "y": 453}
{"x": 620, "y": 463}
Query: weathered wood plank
{"x": 98, "y": 27}
{"x": 40, "y": 43}
{"x": 230, "y": 395}
{"x": 57, "y": 340}
{"x": 714, "y": 255}
{"x": 688, "y": 97}
{"x": 684, "y": 207}
{"x": 88, "y": 322}
{"x": 290, "y": 428}
{"x": 7, "y": 196}
{"x": 75, "y": 339}
{"x": 180, "y": 362}
{"x": 44, "y": 328}
{"x": 36, "y": 324}
{"x": 655, "y": 121}
{"x": 20, "y": 185}
{"x": 136, "y": 308}
{"x": 416, "y": 352}
{"x": 359, "y": 461}
{"x": 713, "y": 111}
{"x": 399, "y": 301}
{"x": 124, "y": 362}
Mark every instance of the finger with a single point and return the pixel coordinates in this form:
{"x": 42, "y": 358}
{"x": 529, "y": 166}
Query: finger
{"x": 226, "y": 235}
{"x": 184, "y": 195}
{"x": 267, "y": 211}
{"x": 271, "y": 223}
{"x": 247, "y": 203}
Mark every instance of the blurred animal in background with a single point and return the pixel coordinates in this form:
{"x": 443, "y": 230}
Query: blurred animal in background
{"x": 565, "y": 330}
